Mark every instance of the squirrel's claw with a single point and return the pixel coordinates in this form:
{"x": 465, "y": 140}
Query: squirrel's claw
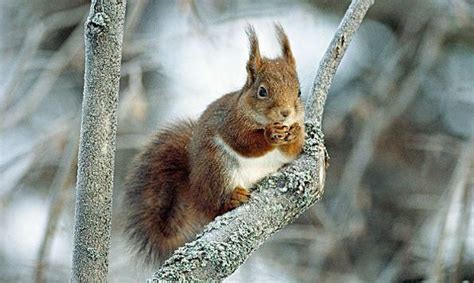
{"x": 278, "y": 134}
{"x": 293, "y": 132}
{"x": 238, "y": 197}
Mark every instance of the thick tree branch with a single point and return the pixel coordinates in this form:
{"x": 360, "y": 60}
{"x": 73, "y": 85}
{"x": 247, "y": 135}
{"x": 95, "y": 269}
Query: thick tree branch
{"x": 230, "y": 239}
{"x": 103, "y": 48}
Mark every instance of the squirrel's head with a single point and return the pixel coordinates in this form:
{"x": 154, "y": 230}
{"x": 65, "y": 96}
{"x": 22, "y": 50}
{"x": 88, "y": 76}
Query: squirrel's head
{"x": 272, "y": 91}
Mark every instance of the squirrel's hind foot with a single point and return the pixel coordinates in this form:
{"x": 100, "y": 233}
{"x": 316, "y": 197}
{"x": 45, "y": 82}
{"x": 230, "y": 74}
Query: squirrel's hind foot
{"x": 238, "y": 197}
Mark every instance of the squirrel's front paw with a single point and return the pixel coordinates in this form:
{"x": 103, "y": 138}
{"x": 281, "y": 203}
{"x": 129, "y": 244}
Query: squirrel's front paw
{"x": 238, "y": 197}
{"x": 276, "y": 133}
{"x": 293, "y": 132}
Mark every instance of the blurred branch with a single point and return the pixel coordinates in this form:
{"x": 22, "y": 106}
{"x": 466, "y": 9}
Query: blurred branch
{"x": 459, "y": 182}
{"x": 134, "y": 106}
{"x": 56, "y": 64}
{"x": 46, "y": 80}
{"x": 34, "y": 37}
{"x": 461, "y": 12}
{"x": 60, "y": 192}
{"x": 388, "y": 73}
{"x": 58, "y": 127}
{"x": 229, "y": 240}
{"x": 463, "y": 226}
{"x": 363, "y": 151}
{"x": 12, "y": 176}
{"x": 21, "y": 162}
{"x": 390, "y": 273}
{"x": 133, "y": 18}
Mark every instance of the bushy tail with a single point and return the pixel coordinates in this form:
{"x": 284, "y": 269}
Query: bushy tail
{"x": 159, "y": 219}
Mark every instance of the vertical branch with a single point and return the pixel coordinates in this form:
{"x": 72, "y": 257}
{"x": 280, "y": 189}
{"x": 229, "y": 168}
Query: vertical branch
{"x": 463, "y": 228}
{"x": 103, "y": 46}
{"x": 459, "y": 180}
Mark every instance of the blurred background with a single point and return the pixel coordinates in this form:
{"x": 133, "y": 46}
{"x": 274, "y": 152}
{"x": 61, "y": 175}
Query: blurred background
{"x": 399, "y": 123}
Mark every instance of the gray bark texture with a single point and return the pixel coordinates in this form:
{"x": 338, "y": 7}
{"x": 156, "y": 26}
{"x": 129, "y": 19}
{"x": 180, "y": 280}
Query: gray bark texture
{"x": 278, "y": 199}
{"x": 103, "y": 54}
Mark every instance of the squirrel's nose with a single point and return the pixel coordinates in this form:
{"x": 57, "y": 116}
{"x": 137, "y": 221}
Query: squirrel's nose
{"x": 285, "y": 113}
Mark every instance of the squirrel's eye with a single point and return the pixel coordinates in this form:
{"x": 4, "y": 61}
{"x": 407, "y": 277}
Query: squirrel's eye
{"x": 262, "y": 92}
{"x": 299, "y": 92}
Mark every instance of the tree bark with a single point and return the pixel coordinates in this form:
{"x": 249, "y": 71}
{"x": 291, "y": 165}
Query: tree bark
{"x": 277, "y": 200}
{"x": 103, "y": 48}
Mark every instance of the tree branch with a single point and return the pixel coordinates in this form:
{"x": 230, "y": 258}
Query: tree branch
{"x": 333, "y": 56}
{"x": 457, "y": 183}
{"x": 103, "y": 52}
{"x": 230, "y": 239}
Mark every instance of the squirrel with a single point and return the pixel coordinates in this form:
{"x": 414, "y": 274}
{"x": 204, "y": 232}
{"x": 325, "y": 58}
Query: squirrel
{"x": 193, "y": 171}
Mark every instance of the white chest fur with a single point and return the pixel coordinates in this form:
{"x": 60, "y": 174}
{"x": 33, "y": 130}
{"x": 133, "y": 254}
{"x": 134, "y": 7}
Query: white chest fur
{"x": 247, "y": 171}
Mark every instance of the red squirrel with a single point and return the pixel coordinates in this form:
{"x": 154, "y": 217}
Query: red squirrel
{"x": 193, "y": 171}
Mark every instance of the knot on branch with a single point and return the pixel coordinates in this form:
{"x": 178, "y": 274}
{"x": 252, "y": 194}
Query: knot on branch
{"x": 97, "y": 23}
{"x": 340, "y": 46}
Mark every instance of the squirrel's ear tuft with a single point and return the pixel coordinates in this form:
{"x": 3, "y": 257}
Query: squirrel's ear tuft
{"x": 285, "y": 44}
{"x": 255, "y": 60}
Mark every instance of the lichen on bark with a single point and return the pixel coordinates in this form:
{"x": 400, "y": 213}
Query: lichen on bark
{"x": 103, "y": 46}
{"x": 228, "y": 241}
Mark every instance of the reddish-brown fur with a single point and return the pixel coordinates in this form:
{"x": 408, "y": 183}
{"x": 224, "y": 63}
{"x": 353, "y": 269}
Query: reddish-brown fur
{"x": 160, "y": 215}
{"x": 181, "y": 180}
